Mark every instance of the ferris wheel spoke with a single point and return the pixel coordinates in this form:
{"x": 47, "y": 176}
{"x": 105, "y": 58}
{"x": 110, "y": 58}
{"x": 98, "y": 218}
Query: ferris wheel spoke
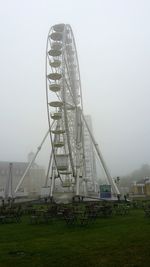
{"x": 68, "y": 87}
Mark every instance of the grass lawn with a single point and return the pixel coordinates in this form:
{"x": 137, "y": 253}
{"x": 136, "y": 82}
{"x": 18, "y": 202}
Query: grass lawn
{"x": 116, "y": 241}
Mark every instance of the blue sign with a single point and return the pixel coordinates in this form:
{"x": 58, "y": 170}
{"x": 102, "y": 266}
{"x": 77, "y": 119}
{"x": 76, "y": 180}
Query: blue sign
{"x": 105, "y": 191}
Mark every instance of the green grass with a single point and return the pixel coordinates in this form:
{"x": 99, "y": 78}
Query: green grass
{"x": 118, "y": 241}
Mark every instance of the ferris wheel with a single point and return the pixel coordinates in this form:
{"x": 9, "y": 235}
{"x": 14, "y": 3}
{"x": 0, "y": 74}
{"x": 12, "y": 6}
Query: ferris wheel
{"x": 64, "y": 108}
{"x": 67, "y": 165}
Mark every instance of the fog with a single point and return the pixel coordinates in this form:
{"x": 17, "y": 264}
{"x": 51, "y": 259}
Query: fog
{"x": 113, "y": 45}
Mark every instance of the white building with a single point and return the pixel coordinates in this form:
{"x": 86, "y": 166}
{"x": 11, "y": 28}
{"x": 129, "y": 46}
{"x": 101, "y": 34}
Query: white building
{"x": 11, "y": 173}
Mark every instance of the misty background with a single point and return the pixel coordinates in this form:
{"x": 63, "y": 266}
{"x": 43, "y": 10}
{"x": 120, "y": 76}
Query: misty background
{"x": 113, "y": 46}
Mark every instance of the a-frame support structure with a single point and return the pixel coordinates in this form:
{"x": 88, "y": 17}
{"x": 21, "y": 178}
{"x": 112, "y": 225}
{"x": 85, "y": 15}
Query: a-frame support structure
{"x": 108, "y": 176}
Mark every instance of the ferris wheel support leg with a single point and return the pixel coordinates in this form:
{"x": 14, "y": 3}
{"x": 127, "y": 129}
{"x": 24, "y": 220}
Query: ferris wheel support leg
{"x": 77, "y": 183}
{"x": 52, "y": 185}
{"x": 95, "y": 187}
{"x": 85, "y": 188}
{"x": 48, "y": 171}
{"x": 111, "y": 181}
{"x": 30, "y": 164}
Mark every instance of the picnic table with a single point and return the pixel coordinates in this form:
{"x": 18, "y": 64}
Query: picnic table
{"x": 122, "y": 209}
{"x": 40, "y": 216}
{"x": 147, "y": 212}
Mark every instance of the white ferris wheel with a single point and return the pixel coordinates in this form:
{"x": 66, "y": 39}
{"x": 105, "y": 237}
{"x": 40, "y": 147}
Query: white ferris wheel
{"x": 64, "y": 108}
{"x": 65, "y": 114}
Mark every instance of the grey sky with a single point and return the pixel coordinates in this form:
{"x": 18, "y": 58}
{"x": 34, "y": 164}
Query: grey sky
{"x": 113, "y": 45}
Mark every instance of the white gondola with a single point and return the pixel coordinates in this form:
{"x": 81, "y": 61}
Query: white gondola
{"x": 62, "y": 161}
{"x": 56, "y": 36}
{"x": 54, "y": 76}
{"x": 55, "y": 87}
{"x": 56, "y": 104}
{"x": 55, "y": 63}
{"x": 57, "y": 45}
{"x": 56, "y": 115}
{"x": 67, "y": 183}
{"x": 58, "y": 144}
{"x": 54, "y": 53}
{"x": 59, "y": 27}
{"x": 65, "y": 173}
{"x": 58, "y": 131}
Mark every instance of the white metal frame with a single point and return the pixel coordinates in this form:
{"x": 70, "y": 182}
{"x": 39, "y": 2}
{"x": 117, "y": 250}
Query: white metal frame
{"x": 65, "y": 115}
